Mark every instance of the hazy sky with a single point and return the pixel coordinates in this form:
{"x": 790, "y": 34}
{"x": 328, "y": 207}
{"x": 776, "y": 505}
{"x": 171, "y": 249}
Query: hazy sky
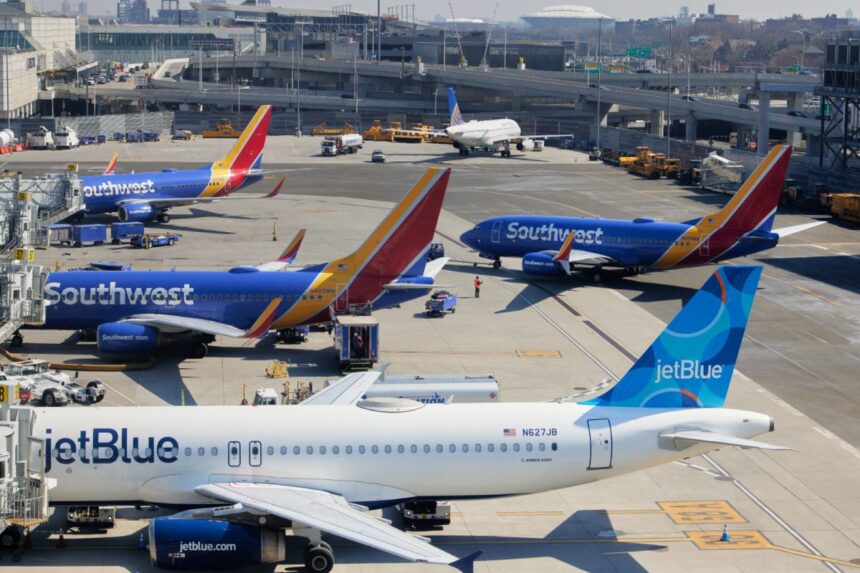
{"x": 510, "y": 10}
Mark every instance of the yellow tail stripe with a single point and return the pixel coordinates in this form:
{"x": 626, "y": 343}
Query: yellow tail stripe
{"x": 266, "y": 314}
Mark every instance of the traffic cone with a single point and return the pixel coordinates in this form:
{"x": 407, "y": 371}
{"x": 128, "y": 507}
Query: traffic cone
{"x": 725, "y": 536}
{"x": 274, "y": 233}
{"x": 182, "y": 396}
{"x": 141, "y": 542}
{"x": 244, "y": 395}
{"x": 61, "y": 542}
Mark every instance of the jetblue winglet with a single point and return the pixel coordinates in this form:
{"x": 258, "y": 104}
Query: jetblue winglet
{"x": 454, "y": 108}
{"x": 690, "y": 365}
{"x": 292, "y": 250}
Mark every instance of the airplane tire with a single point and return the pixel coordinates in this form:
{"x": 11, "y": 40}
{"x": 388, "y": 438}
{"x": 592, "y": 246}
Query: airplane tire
{"x": 199, "y": 350}
{"x": 10, "y": 538}
{"x": 596, "y": 277}
{"x": 163, "y": 218}
{"x": 17, "y": 341}
{"x": 48, "y": 399}
{"x": 497, "y": 264}
{"x": 319, "y": 559}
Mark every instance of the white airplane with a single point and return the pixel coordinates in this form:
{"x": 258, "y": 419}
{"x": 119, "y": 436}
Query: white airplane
{"x": 248, "y": 474}
{"x": 488, "y": 134}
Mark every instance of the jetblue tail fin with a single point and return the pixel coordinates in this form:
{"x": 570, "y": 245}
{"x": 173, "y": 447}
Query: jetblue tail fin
{"x": 690, "y": 365}
{"x": 246, "y": 154}
{"x": 454, "y": 108}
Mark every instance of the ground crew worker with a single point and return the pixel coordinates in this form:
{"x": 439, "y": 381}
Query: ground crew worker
{"x": 357, "y": 345}
{"x": 478, "y": 283}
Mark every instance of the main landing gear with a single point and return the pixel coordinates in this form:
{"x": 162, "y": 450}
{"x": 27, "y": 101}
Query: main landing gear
{"x": 200, "y": 345}
{"x": 319, "y": 558}
{"x": 163, "y": 217}
{"x": 497, "y": 263}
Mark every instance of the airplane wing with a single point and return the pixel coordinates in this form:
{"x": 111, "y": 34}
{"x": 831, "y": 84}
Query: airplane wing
{"x": 418, "y": 132}
{"x": 567, "y": 255}
{"x": 497, "y": 141}
{"x": 786, "y": 231}
{"x": 174, "y": 323}
{"x": 332, "y": 514}
{"x": 431, "y": 269}
{"x": 715, "y": 438}
{"x": 346, "y": 391}
{"x": 111, "y": 167}
{"x": 288, "y": 256}
{"x": 164, "y": 203}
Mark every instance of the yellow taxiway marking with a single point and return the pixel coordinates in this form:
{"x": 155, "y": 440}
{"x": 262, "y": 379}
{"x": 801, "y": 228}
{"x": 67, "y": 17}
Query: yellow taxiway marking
{"x": 635, "y": 511}
{"x": 542, "y": 200}
{"x": 717, "y": 511}
{"x": 742, "y": 539}
{"x": 538, "y": 354}
{"x": 817, "y": 557}
{"x": 528, "y": 513}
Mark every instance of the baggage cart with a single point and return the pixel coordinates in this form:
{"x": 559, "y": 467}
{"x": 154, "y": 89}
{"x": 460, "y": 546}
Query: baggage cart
{"x": 356, "y": 341}
{"x": 95, "y": 234}
{"x": 120, "y": 232}
{"x": 441, "y": 303}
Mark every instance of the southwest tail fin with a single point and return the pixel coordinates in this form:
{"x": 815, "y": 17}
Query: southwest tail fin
{"x": 111, "y": 167}
{"x": 690, "y": 365}
{"x": 247, "y": 152}
{"x": 454, "y": 108}
{"x": 291, "y": 252}
{"x": 754, "y": 205}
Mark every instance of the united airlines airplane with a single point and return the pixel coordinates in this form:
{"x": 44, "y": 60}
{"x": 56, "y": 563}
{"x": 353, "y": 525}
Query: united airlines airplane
{"x": 488, "y": 134}
{"x": 148, "y": 196}
{"x": 244, "y": 475}
{"x": 134, "y": 312}
{"x": 741, "y": 228}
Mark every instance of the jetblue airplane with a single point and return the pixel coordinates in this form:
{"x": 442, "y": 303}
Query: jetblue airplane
{"x": 243, "y": 476}
{"x": 488, "y": 134}
{"x": 134, "y": 312}
{"x": 741, "y": 228}
{"x": 148, "y": 196}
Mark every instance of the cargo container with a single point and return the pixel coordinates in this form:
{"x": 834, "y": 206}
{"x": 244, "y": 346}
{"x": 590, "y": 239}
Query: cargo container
{"x": 120, "y": 232}
{"x": 356, "y": 341}
{"x": 58, "y": 233}
{"x": 95, "y": 234}
{"x": 846, "y": 206}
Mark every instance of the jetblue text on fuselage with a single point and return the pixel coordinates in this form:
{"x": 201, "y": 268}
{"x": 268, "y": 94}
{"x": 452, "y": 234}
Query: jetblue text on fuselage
{"x": 109, "y": 294}
{"x": 108, "y": 446}
{"x": 549, "y": 232}
{"x": 111, "y": 189}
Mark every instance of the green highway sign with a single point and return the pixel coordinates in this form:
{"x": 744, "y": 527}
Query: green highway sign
{"x": 639, "y": 52}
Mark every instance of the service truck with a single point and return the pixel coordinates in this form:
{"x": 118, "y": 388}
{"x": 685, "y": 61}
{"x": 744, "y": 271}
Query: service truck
{"x": 42, "y": 139}
{"x": 341, "y": 144}
{"x": 66, "y": 138}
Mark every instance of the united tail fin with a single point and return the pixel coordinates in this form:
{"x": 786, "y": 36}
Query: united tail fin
{"x": 246, "y": 153}
{"x": 754, "y": 205}
{"x": 690, "y": 365}
{"x": 454, "y": 108}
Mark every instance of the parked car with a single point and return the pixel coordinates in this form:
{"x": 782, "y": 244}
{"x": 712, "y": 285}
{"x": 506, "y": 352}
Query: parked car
{"x": 691, "y": 98}
{"x": 796, "y": 113}
{"x": 378, "y": 156}
{"x": 749, "y": 106}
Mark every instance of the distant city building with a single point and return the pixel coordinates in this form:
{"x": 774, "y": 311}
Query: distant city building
{"x": 569, "y": 21}
{"x": 82, "y": 8}
{"x": 66, "y": 8}
{"x": 132, "y": 12}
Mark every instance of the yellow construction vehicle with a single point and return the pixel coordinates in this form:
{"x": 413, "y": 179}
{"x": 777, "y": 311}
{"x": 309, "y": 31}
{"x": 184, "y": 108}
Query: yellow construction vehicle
{"x": 323, "y": 129}
{"x": 652, "y": 165}
{"x": 377, "y": 133}
{"x": 405, "y": 136}
{"x": 668, "y": 166}
{"x": 224, "y": 130}
{"x": 846, "y": 206}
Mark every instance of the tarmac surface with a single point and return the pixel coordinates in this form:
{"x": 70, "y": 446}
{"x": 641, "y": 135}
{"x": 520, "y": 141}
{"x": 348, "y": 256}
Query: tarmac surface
{"x": 794, "y": 510}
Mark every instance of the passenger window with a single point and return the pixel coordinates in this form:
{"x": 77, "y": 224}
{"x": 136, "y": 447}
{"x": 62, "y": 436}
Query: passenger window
{"x": 478, "y": 448}
{"x": 516, "y": 447}
{"x": 529, "y": 447}
{"x": 335, "y": 450}
{"x": 309, "y": 450}
{"x": 414, "y": 449}
{"x": 361, "y": 450}
{"x": 452, "y": 448}
{"x": 349, "y": 450}
{"x": 201, "y": 451}
{"x": 374, "y": 449}
{"x": 400, "y": 449}
{"x": 439, "y": 448}
{"x": 214, "y": 451}
{"x": 465, "y": 448}
{"x": 490, "y": 448}
{"x": 387, "y": 449}
{"x": 297, "y": 450}
{"x": 503, "y": 447}
{"x": 426, "y": 448}
{"x": 542, "y": 447}
{"x": 270, "y": 450}
{"x": 187, "y": 452}
{"x": 554, "y": 446}
{"x": 283, "y": 450}
{"x": 322, "y": 450}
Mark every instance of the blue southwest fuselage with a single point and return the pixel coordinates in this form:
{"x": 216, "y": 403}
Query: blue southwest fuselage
{"x": 637, "y": 243}
{"x": 105, "y": 193}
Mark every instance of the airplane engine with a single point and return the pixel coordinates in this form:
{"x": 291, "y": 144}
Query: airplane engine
{"x": 136, "y": 212}
{"x": 207, "y": 545}
{"x": 526, "y": 145}
{"x": 127, "y": 338}
{"x": 541, "y": 264}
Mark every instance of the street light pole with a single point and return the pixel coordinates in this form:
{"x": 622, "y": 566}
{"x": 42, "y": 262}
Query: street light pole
{"x": 599, "y": 37}
{"x": 669, "y": 94}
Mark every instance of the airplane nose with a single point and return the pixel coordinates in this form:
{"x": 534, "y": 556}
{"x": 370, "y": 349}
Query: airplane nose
{"x": 468, "y": 237}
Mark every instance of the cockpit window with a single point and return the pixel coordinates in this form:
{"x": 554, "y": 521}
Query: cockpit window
{"x": 477, "y": 228}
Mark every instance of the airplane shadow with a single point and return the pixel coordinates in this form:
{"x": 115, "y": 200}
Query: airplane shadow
{"x": 840, "y": 271}
{"x": 585, "y": 540}
{"x": 712, "y": 198}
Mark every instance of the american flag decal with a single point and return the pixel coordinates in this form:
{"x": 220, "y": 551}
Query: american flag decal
{"x": 510, "y": 432}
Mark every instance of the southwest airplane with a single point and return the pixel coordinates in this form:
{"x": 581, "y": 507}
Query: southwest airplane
{"x": 741, "y": 228}
{"x": 244, "y": 475}
{"x": 148, "y": 196}
{"x": 134, "y": 312}
{"x": 488, "y": 134}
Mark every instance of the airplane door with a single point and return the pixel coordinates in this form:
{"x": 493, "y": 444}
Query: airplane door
{"x": 705, "y": 247}
{"x": 255, "y": 456}
{"x": 497, "y": 232}
{"x": 600, "y": 450}
{"x": 234, "y": 454}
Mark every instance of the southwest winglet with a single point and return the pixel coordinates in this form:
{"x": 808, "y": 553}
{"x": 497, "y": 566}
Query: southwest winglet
{"x": 292, "y": 250}
{"x": 564, "y": 251}
{"x": 276, "y": 190}
{"x": 112, "y": 165}
{"x": 467, "y": 563}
